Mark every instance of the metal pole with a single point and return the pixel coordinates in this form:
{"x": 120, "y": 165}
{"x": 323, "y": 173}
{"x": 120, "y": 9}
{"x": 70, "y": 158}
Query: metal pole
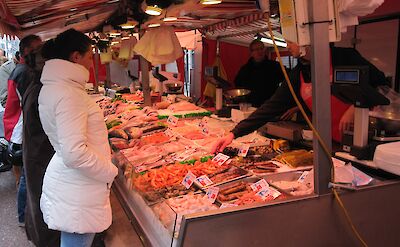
{"x": 144, "y": 67}
{"x": 320, "y": 64}
{"x": 96, "y": 71}
{"x": 107, "y": 84}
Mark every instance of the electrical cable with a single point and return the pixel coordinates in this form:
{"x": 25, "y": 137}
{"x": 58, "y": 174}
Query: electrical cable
{"x": 315, "y": 132}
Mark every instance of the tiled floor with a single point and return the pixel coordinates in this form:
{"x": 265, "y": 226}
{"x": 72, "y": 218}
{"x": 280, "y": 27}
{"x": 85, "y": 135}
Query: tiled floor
{"x": 120, "y": 234}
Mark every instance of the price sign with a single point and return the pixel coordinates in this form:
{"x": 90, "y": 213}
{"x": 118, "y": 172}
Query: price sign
{"x": 259, "y": 185}
{"x": 228, "y": 205}
{"x": 204, "y": 181}
{"x": 172, "y": 120}
{"x": 264, "y": 193}
{"x": 220, "y": 158}
{"x": 212, "y": 194}
{"x": 139, "y": 169}
{"x": 303, "y": 177}
{"x": 244, "y": 150}
{"x": 169, "y": 133}
{"x": 205, "y": 130}
{"x": 274, "y": 193}
{"x": 188, "y": 180}
{"x": 203, "y": 123}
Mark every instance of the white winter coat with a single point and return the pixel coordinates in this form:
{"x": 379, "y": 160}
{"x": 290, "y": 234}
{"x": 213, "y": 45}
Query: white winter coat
{"x": 77, "y": 181}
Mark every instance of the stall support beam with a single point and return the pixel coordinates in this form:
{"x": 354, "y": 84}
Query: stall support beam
{"x": 107, "y": 83}
{"x": 320, "y": 63}
{"x": 144, "y": 67}
{"x": 96, "y": 71}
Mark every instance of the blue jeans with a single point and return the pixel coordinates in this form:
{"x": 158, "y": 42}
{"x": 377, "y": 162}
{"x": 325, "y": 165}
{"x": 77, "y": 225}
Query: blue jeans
{"x": 21, "y": 198}
{"x": 76, "y": 239}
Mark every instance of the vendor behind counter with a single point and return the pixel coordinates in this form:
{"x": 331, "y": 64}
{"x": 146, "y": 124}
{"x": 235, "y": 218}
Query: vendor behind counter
{"x": 260, "y": 75}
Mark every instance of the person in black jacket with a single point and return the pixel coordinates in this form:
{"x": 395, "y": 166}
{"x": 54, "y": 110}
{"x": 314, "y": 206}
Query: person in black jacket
{"x": 37, "y": 152}
{"x": 260, "y": 75}
{"x": 281, "y": 105}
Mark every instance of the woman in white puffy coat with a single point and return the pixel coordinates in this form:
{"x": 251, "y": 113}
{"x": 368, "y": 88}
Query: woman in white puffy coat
{"x": 76, "y": 186}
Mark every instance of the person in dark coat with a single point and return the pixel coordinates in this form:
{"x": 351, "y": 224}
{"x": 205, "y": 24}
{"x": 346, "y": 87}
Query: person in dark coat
{"x": 282, "y": 102}
{"x": 260, "y": 75}
{"x": 37, "y": 153}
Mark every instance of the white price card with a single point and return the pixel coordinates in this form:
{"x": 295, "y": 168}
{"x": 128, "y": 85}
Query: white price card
{"x": 244, "y": 149}
{"x": 228, "y": 205}
{"x": 259, "y": 185}
{"x": 274, "y": 193}
{"x": 205, "y": 130}
{"x": 220, "y": 158}
{"x": 303, "y": 177}
{"x": 188, "y": 180}
{"x": 203, "y": 122}
{"x": 212, "y": 194}
{"x": 139, "y": 169}
{"x": 169, "y": 133}
{"x": 264, "y": 193}
{"x": 172, "y": 120}
{"x": 204, "y": 181}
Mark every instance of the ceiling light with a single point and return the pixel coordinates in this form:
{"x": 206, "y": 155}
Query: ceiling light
{"x": 269, "y": 41}
{"x": 73, "y": 9}
{"x": 114, "y": 42}
{"x": 154, "y": 25}
{"x": 170, "y": 18}
{"x": 114, "y": 33}
{"x": 128, "y": 25}
{"x": 153, "y": 10}
{"x": 113, "y": 1}
{"x": 209, "y": 2}
{"x": 125, "y": 38}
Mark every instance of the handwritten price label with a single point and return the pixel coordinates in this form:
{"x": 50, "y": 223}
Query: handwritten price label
{"x": 220, "y": 158}
{"x": 303, "y": 177}
{"x": 274, "y": 193}
{"x": 260, "y": 185}
{"x": 173, "y": 120}
{"x": 212, "y": 194}
{"x": 244, "y": 150}
{"x": 169, "y": 133}
{"x": 188, "y": 180}
{"x": 204, "y": 181}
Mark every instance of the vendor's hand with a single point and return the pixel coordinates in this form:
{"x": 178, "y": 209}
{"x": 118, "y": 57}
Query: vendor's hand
{"x": 289, "y": 113}
{"x": 220, "y": 145}
{"x": 347, "y": 120}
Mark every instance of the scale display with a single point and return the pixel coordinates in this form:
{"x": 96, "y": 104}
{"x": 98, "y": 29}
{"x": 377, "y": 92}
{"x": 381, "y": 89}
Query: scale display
{"x": 347, "y": 76}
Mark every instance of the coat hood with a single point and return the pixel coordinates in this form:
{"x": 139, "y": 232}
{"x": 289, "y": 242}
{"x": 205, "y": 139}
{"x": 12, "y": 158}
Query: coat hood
{"x": 59, "y": 71}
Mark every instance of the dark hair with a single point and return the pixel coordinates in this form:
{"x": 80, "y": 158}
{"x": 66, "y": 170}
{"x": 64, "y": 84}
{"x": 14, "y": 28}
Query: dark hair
{"x": 254, "y": 42}
{"x": 26, "y": 42}
{"x": 65, "y": 44}
{"x": 17, "y": 55}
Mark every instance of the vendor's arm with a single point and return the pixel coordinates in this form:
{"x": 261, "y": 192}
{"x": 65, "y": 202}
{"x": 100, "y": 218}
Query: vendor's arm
{"x": 271, "y": 110}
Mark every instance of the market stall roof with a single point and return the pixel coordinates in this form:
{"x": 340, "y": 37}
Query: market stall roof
{"x": 50, "y": 17}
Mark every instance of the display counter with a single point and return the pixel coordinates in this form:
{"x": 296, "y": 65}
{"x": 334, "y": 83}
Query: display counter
{"x": 260, "y": 197}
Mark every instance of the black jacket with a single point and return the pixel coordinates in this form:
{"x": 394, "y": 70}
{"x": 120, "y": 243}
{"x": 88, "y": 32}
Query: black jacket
{"x": 261, "y": 78}
{"x": 37, "y": 153}
{"x": 282, "y": 100}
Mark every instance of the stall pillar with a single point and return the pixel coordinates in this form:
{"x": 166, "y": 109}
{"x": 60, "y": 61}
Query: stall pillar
{"x": 107, "y": 83}
{"x": 96, "y": 70}
{"x": 144, "y": 67}
{"x": 320, "y": 56}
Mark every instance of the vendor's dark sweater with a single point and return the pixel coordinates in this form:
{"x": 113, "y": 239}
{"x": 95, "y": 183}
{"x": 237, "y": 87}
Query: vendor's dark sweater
{"x": 282, "y": 100}
{"x": 261, "y": 78}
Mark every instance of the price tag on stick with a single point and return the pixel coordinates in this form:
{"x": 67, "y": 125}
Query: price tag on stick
{"x": 303, "y": 177}
{"x": 204, "y": 180}
{"x": 259, "y": 185}
{"x": 188, "y": 180}
{"x": 244, "y": 150}
{"x": 220, "y": 158}
{"x": 212, "y": 194}
{"x": 173, "y": 120}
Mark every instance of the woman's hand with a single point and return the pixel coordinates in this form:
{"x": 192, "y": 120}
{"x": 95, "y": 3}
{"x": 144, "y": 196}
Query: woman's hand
{"x": 347, "y": 120}
{"x": 289, "y": 113}
{"x": 220, "y": 145}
